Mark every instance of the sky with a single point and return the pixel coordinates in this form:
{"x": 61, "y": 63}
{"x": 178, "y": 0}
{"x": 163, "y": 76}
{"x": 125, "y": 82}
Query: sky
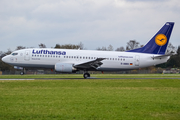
{"x": 95, "y": 23}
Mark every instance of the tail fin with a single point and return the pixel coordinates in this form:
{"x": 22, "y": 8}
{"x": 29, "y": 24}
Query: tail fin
{"x": 158, "y": 44}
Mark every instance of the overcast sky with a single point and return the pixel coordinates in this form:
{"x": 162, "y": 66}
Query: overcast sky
{"x": 95, "y": 23}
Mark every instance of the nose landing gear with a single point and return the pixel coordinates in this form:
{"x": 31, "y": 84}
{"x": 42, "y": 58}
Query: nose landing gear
{"x": 23, "y": 71}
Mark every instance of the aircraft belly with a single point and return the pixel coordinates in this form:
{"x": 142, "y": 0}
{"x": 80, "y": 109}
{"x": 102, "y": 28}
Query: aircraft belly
{"x": 25, "y": 65}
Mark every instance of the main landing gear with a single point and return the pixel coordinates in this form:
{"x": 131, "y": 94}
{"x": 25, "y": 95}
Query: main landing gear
{"x": 86, "y": 75}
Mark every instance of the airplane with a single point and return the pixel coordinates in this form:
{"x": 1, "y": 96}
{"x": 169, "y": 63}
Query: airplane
{"x": 70, "y": 61}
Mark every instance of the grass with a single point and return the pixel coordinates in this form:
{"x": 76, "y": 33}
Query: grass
{"x": 88, "y": 99}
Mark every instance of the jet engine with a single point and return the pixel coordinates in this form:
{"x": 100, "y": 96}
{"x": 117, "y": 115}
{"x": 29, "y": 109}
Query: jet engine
{"x": 64, "y": 67}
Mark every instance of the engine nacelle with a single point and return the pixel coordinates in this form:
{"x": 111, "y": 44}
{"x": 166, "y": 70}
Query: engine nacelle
{"x": 64, "y": 67}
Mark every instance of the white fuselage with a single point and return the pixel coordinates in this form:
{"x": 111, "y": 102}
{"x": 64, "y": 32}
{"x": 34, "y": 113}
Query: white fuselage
{"x": 115, "y": 61}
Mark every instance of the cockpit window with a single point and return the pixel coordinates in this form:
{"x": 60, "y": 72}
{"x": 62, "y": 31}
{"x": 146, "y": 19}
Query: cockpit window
{"x": 14, "y": 53}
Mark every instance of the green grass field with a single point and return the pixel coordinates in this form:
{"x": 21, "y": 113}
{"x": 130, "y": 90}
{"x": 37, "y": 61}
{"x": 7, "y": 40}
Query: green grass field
{"x": 83, "y": 99}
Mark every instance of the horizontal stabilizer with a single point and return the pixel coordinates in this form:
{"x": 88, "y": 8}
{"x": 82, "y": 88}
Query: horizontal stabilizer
{"x": 162, "y": 56}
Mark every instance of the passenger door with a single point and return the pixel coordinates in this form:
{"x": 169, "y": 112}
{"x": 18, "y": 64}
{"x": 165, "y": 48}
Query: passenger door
{"x": 27, "y": 55}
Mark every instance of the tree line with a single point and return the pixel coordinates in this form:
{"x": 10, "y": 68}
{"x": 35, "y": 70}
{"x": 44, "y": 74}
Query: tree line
{"x": 174, "y": 60}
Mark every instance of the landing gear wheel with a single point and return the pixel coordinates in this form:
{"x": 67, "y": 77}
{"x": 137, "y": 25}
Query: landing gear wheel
{"x": 22, "y": 73}
{"x": 86, "y": 75}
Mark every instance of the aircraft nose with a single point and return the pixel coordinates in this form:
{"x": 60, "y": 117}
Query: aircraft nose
{"x": 5, "y": 59}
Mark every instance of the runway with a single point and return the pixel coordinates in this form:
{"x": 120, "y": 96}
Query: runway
{"x": 84, "y": 79}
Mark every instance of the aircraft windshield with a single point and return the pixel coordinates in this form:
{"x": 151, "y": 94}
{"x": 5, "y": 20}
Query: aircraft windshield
{"x": 14, "y": 53}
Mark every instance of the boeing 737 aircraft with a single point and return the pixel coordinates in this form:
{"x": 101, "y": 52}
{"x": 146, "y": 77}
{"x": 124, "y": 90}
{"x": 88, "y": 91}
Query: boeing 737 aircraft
{"x": 69, "y": 61}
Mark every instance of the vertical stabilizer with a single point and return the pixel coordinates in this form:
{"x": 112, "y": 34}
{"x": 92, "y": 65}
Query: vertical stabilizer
{"x": 158, "y": 44}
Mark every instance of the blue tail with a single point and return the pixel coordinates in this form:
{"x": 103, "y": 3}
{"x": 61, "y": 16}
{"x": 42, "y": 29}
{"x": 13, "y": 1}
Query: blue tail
{"x": 158, "y": 44}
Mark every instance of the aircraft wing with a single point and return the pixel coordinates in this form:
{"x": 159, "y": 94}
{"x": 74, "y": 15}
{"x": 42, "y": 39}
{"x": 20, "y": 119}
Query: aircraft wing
{"x": 94, "y": 64}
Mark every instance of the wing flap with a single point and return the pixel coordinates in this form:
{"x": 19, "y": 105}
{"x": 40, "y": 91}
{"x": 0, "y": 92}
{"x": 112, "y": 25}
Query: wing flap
{"x": 94, "y": 64}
